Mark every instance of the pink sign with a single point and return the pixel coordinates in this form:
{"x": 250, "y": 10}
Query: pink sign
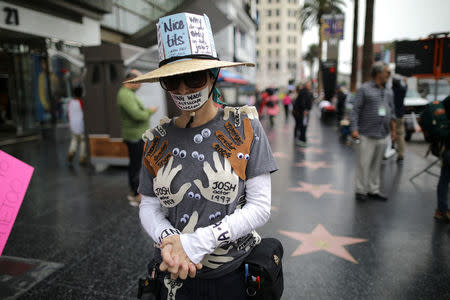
{"x": 14, "y": 179}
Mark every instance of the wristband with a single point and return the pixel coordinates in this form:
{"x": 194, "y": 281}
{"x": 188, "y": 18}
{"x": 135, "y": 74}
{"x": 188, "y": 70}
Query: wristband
{"x": 167, "y": 232}
{"x": 222, "y": 233}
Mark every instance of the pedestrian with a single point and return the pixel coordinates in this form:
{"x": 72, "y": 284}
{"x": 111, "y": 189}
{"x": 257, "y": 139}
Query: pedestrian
{"x": 372, "y": 117}
{"x": 302, "y": 107}
{"x": 272, "y": 108}
{"x": 340, "y": 106}
{"x": 135, "y": 119}
{"x": 76, "y": 123}
{"x": 287, "y": 100}
{"x": 442, "y": 212}
{"x": 199, "y": 168}
{"x": 399, "y": 89}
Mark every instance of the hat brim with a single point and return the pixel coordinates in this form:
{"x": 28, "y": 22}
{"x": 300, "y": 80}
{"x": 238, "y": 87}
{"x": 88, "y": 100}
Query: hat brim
{"x": 185, "y": 66}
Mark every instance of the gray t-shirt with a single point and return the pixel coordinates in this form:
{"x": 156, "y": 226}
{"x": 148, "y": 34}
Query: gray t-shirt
{"x": 197, "y": 187}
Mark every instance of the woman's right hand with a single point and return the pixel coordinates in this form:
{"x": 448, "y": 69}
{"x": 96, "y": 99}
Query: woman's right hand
{"x": 175, "y": 260}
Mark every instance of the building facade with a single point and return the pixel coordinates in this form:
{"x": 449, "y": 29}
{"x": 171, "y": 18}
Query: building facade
{"x": 278, "y": 44}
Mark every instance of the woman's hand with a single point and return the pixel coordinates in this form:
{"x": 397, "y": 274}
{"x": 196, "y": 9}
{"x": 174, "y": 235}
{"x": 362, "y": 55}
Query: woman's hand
{"x": 175, "y": 259}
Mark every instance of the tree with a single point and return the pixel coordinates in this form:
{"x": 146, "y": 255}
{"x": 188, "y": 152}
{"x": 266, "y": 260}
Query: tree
{"x": 310, "y": 57}
{"x": 354, "y": 75}
{"x": 310, "y": 14}
{"x": 367, "y": 59}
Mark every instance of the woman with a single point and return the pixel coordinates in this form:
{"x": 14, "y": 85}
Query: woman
{"x": 205, "y": 184}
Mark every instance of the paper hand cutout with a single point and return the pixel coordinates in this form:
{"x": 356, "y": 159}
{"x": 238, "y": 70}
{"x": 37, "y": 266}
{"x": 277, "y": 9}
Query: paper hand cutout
{"x": 153, "y": 159}
{"x": 161, "y": 185}
{"x": 223, "y": 185}
{"x": 236, "y": 150}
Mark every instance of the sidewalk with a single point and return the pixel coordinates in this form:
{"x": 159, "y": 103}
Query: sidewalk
{"x": 335, "y": 247}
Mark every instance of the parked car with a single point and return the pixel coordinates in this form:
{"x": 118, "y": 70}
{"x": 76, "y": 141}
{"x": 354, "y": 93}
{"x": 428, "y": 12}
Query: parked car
{"x": 414, "y": 105}
{"x": 426, "y": 88}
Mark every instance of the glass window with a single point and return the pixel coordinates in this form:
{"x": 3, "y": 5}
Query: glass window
{"x": 269, "y": 53}
{"x": 277, "y": 66}
{"x": 257, "y": 53}
{"x": 278, "y": 12}
{"x": 269, "y": 26}
{"x": 269, "y": 13}
{"x": 277, "y": 51}
{"x": 277, "y": 39}
{"x": 277, "y": 26}
{"x": 269, "y": 66}
{"x": 269, "y": 39}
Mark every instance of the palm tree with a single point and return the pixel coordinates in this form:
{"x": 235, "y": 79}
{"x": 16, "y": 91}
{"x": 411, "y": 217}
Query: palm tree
{"x": 310, "y": 14}
{"x": 367, "y": 59}
{"x": 353, "y": 77}
{"x": 310, "y": 57}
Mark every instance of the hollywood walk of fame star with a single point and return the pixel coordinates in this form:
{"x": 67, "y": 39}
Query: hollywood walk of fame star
{"x": 280, "y": 155}
{"x": 320, "y": 239}
{"x": 313, "y": 164}
{"x": 311, "y": 150}
{"x": 316, "y": 190}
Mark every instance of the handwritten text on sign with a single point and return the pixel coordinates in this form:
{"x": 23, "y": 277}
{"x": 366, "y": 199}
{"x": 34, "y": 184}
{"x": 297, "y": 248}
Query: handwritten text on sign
{"x": 14, "y": 179}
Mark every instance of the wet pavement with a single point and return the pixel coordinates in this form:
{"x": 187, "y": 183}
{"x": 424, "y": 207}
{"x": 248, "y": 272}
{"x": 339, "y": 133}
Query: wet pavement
{"x": 335, "y": 247}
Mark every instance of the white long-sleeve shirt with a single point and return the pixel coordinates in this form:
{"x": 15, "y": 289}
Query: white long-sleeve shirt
{"x": 254, "y": 213}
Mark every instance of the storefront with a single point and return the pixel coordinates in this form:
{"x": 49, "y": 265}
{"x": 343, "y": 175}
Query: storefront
{"x": 40, "y": 62}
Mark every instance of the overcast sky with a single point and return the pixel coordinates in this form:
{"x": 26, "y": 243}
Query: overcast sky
{"x": 393, "y": 20}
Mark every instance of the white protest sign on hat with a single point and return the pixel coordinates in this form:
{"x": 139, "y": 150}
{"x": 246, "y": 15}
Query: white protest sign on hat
{"x": 185, "y": 34}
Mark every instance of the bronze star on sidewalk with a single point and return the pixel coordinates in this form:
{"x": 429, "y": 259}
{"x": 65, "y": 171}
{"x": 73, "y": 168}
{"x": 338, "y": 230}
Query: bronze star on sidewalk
{"x": 280, "y": 155}
{"x": 311, "y": 150}
{"x": 313, "y": 164}
{"x": 316, "y": 190}
{"x": 320, "y": 239}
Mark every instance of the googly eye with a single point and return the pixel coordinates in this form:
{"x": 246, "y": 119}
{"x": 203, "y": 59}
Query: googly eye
{"x": 201, "y": 157}
{"x": 183, "y": 220}
{"x": 191, "y": 194}
{"x": 240, "y": 155}
{"x": 198, "y": 138}
{"x": 183, "y": 153}
{"x": 212, "y": 217}
{"x": 197, "y": 196}
{"x": 186, "y": 216}
{"x": 218, "y": 214}
{"x": 246, "y": 156}
{"x": 194, "y": 154}
{"x": 175, "y": 151}
{"x": 206, "y": 133}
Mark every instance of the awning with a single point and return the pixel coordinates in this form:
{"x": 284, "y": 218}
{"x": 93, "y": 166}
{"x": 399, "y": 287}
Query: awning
{"x": 228, "y": 76}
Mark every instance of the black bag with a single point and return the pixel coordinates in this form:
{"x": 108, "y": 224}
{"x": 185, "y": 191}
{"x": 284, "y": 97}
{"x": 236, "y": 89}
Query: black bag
{"x": 149, "y": 288}
{"x": 264, "y": 271}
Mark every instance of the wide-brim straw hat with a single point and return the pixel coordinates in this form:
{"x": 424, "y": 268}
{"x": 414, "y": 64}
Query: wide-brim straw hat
{"x": 185, "y": 66}
{"x": 185, "y": 45}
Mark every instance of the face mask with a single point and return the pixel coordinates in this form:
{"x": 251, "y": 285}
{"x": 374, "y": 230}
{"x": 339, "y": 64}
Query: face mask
{"x": 191, "y": 101}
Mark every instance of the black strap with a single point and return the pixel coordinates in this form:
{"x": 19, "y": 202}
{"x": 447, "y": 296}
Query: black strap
{"x": 198, "y": 56}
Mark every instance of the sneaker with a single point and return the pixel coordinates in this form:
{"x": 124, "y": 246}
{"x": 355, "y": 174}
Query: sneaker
{"x": 377, "y": 196}
{"x": 135, "y": 201}
{"x": 360, "y": 197}
{"x": 300, "y": 143}
{"x": 440, "y": 216}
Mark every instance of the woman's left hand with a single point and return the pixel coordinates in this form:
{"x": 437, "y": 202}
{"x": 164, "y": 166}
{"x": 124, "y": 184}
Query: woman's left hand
{"x": 175, "y": 259}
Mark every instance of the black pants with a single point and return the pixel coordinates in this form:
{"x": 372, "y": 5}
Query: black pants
{"x": 229, "y": 286}
{"x": 300, "y": 126}
{"x": 286, "y": 111}
{"x": 135, "y": 149}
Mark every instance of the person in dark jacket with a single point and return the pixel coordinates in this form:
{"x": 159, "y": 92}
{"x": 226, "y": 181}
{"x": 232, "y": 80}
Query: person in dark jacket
{"x": 302, "y": 106}
{"x": 442, "y": 212}
{"x": 340, "y": 105}
{"x": 399, "y": 89}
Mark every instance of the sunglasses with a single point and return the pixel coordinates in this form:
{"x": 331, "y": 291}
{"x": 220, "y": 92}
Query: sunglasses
{"x": 192, "y": 80}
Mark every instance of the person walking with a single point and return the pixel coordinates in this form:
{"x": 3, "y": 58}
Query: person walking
{"x": 135, "y": 120}
{"x": 287, "y": 100}
{"x": 76, "y": 122}
{"x": 399, "y": 89}
{"x": 205, "y": 183}
{"x": 302, "y": 107}
{"x": 372, "y": 117}
{"x": 272, "y": 108}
